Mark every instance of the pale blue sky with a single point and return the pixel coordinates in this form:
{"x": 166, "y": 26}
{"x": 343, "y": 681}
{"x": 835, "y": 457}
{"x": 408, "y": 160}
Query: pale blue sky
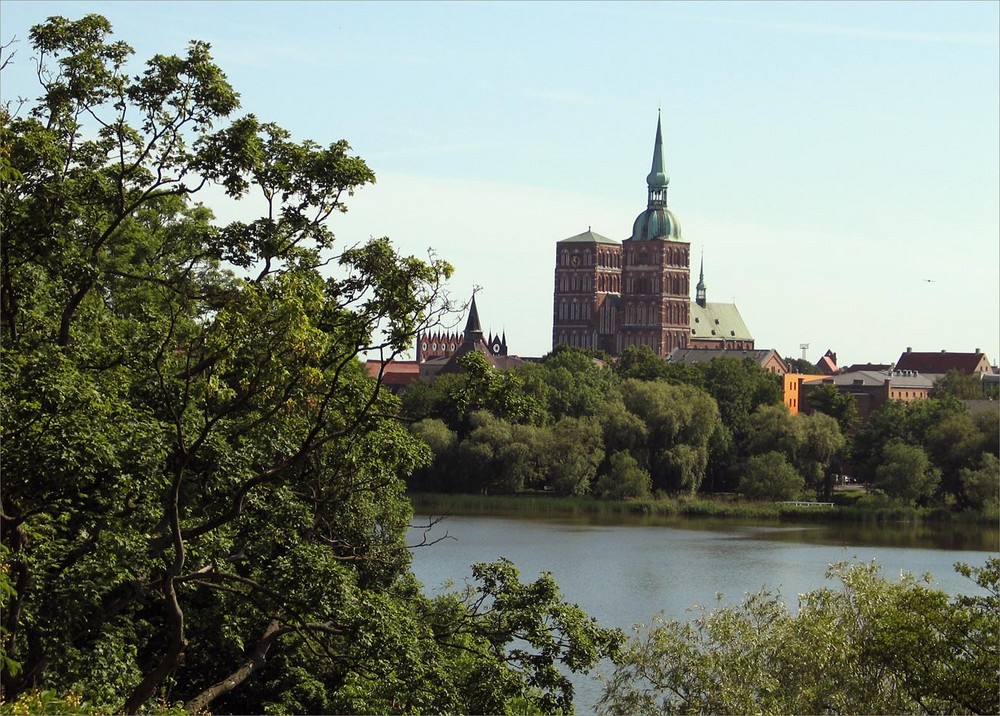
{"x": 827, "y": 157}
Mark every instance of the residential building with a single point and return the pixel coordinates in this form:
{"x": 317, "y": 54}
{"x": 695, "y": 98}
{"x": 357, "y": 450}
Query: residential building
{"x": 871, "y": 389}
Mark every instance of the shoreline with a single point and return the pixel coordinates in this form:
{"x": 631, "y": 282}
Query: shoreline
{"x": 727, "y": 507}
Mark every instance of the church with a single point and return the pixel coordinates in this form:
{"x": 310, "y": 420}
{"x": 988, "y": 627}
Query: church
{"x": 610, "y": 295}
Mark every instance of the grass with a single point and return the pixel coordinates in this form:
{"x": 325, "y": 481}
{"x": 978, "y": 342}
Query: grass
{"x": 848, "y": 507}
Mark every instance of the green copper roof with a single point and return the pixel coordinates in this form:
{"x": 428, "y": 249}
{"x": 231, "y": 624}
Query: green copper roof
{"x": 718, "y": 321}
{"x": 656, "y": 222}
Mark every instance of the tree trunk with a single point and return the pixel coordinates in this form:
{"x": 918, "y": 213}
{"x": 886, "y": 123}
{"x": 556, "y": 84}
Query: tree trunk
{"x": 257, "y": 658}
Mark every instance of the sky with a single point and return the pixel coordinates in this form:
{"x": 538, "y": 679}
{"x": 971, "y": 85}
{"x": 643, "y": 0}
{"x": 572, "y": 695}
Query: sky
{"x": 838, "y": 164}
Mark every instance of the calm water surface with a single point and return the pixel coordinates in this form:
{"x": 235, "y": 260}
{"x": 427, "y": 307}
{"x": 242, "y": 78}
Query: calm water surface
{"x": 623, "y": 574}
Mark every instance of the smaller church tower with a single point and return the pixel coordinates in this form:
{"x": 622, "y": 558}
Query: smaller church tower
{"x": 587, "y": 285}
{"x": 700, "y": 298}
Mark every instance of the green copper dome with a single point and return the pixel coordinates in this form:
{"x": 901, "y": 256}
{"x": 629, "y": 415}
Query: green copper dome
{"x": 656, "y": 222}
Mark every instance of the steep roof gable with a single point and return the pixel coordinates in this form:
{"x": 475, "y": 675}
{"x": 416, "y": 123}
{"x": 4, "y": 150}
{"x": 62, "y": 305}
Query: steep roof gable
{"x": 718, "y": 321}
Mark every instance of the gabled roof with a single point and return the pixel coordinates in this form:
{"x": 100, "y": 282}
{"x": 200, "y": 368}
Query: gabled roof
{"x": 942, "y": 362}
{"x": 827, "y": 366}
{"x": 705, "y": 355}
{"x": 718, "y": 321}
{"x": 589, "y": 237}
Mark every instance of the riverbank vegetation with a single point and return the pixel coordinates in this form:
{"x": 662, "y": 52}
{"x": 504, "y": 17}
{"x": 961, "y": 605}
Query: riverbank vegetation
{"x": 868, "y": 646}
{"x": 575, "y": 425}
{"x": 877, "y": 510}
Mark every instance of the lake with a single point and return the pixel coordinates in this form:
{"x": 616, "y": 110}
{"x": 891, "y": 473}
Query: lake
{"x": 624, "y": 573}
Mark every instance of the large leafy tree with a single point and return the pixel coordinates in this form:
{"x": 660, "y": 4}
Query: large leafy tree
{"x": 202, "y": 495}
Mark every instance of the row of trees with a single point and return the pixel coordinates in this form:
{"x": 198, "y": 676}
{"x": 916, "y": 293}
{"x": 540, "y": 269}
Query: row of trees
{"x": 625, "y": 429}
{"x": 202, "y": 497}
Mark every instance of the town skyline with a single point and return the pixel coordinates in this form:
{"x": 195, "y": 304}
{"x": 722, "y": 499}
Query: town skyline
{"x": 837, "y": 164}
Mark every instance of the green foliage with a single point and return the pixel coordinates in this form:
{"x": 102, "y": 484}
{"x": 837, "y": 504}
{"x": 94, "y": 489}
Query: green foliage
{"x": 203, "y": 494}
{"x": 770, "y": 477}
{"x": 950, "y": 437}
{"x": 810, "y": 443}
{"x": 740, "y": 387}
{"x": 965, "y": 387}
{"x": 640, "y": 363}
{"x": 623, "y": 479}
{"x": 679, "y": 420}
{"x": 981, "y": 485}
{"x": 827, "y": 399}
{"x": 801, "y": 365}
{"x": 871, "y": 646}
{"x": 906, "y": 473}
{"x": 575, "y": 383}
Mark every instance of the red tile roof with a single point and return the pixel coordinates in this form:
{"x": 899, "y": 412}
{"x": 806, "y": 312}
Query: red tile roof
{"x": 942, "y": 362}
{"x": 396, "y": 372}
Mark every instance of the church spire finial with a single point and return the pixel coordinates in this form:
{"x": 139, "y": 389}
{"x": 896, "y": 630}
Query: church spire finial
{"x": 657, "y": 179}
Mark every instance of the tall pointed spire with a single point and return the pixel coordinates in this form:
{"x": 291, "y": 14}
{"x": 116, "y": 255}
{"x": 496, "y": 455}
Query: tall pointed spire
{"x": 700, "y": 294}
{"x": 657, "y": 179}
{"x": 473, "y": 329}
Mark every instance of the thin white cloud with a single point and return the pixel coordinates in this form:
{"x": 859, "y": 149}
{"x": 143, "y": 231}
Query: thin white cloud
{"x": 431, "y": 149}
{"x": 812, "y": 28}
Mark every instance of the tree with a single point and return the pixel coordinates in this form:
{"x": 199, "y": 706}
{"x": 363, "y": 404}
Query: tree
{"x": 822, "y": 444}
{"x": 640, "y": 363}
{"x": 827, "y": 399}
{"x": 981, "y": 484}
{"x": 906, "y": 473}
{"x": 203, "y": 489}
{"x": 771, "y": 477}
{"x": 961, "y": 386}
{"x": 801, "y": 365}
{"x": 871, "y": 646}
{"x": 809, "y": 442}
{"x": 680, "y": 420}
{"x": 623, "y": 479}
{"x": 576, "y": 384}
{"x": 740, "y": 387}
{"x": 574, "y": 453}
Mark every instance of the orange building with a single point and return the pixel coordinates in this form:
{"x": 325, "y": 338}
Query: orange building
{"x": 792, "y": 388}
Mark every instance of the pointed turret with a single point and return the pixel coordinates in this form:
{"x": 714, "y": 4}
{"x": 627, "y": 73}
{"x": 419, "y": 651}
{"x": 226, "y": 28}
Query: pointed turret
{"x": 473, "y": 330}
{"x": 657, "y": 179}
{"x": 700, "y": 296}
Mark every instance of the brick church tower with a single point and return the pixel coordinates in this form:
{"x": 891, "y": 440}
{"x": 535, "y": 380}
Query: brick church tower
{"x": 656, "y": 270}
{"x": 609, "y": 295}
